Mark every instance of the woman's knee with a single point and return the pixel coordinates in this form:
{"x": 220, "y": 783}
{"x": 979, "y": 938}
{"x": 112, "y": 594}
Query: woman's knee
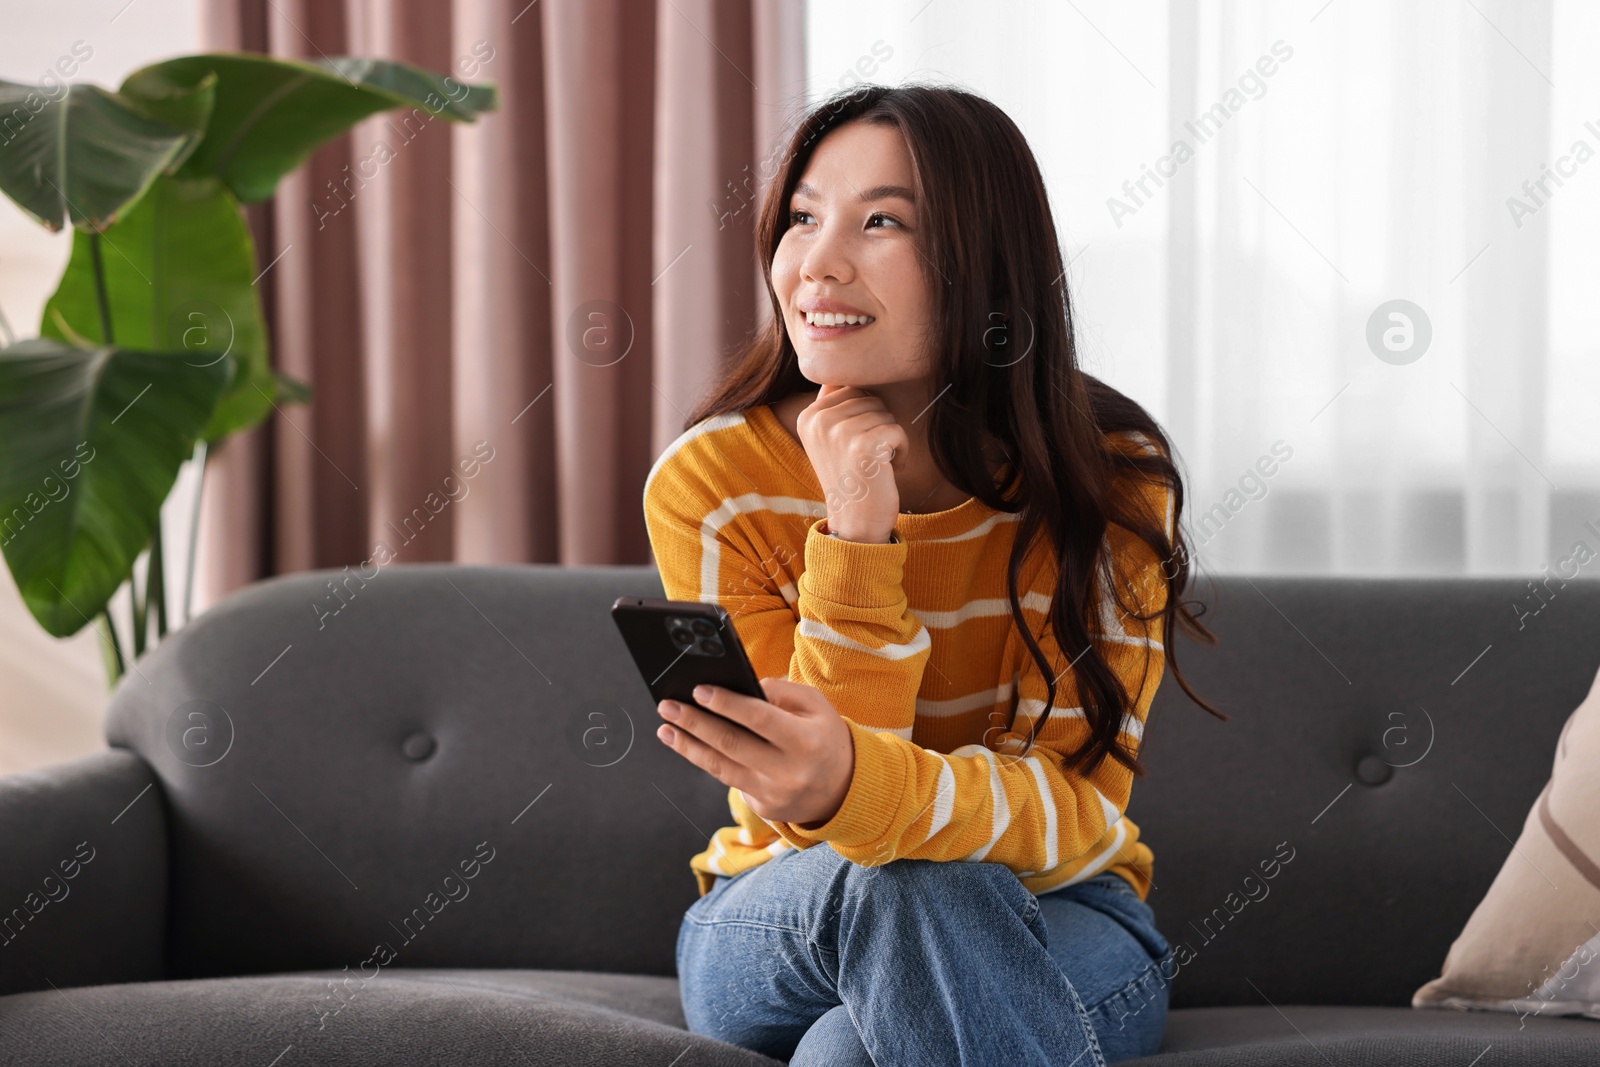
{"x": 832, "y": 1041}
{"x": 748, "y": 972}
{"x": 756, "y": 988}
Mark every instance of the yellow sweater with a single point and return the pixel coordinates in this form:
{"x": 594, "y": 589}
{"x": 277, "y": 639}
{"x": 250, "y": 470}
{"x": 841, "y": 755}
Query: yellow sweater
{"x": 914, "y": 644}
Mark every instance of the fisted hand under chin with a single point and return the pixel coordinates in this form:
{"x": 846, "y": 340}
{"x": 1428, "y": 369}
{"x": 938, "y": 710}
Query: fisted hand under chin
{"x": 855, "y": 446}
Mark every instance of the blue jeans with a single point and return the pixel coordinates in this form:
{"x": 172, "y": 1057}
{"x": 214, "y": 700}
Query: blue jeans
{"x": 817, "y": 960}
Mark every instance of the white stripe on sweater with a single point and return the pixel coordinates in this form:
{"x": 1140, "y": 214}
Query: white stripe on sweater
{"x": 724, "y": 513}
{"x": 713, "y": 863}
{"x": 1101, "y": 860}
{"x": 823, "y": 632}
{"x": 1047, "y": 800}
{"x": 946, "y": 709}
{"x": 986, "y": 607}
{"x": 980, "y": 607}
{"x": 1028, "y": 708}
{"x": 1001, "y": 809}
{"x": 977, "y": 531}
{"x": 711, "y": 425}
{"x": 944, "y": 796}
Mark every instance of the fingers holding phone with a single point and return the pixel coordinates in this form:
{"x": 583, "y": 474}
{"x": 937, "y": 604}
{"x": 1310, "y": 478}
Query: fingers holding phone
{"x": 780, "y": 742}
{"x": 791, "y": 754}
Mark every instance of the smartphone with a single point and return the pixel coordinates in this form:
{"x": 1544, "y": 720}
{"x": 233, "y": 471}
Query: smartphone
{"x": 679, "y": 644}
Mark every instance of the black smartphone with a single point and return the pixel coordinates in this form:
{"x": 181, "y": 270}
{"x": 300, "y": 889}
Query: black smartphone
{"x": 679, "y": 644}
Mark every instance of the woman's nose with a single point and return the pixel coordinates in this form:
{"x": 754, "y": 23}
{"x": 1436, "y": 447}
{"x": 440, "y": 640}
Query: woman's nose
{"x": 827, "y": 258}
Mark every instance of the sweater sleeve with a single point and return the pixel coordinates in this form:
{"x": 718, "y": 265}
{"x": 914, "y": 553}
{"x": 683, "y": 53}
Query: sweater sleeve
{"x": 986, "y": 802}
{"x": 703, "y": 555}
{"x": 857, "y": 640}
{"x": 843, "y": 626}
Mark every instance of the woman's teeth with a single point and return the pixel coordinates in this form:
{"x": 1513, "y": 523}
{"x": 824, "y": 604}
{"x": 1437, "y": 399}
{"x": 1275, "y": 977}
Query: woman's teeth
{"x": 828, "y": 318}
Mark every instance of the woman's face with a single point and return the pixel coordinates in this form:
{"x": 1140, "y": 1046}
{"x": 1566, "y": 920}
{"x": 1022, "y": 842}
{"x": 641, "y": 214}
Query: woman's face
{"x": 849, "y": 249}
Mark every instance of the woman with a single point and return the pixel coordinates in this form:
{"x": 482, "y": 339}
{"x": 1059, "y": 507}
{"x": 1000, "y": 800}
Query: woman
{"x": 955, "y": 563}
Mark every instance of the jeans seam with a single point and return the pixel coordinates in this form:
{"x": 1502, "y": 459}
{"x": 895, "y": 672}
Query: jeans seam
{"x": 849, "y": 1011}
{"x": 1122, "y": 994}
{"x": 1031, "y": 911}
{"x": 748, "y": 922}
{"x": 1087, "y": 1024}
{"x": 1138, "y": 980}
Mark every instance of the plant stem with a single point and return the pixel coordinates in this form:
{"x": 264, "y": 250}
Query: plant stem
{"x": 141, "y": 607}
{"x": 110, "y": 646}
{"x": 110, "y": 649}
{"x": 200, "y": 452}
{"x": 100, "y": 288}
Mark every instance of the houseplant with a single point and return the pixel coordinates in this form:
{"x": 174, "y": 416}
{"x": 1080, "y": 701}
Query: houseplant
{"x": 153, "y": 347}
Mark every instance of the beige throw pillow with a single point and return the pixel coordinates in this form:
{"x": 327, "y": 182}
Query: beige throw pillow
{"x": 1532, "y": 946}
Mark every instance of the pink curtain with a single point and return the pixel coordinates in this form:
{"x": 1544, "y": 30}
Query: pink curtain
{"x": 504, "y": 322}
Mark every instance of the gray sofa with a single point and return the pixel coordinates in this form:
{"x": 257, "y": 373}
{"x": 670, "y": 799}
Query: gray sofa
{"x": 424, "y": 819}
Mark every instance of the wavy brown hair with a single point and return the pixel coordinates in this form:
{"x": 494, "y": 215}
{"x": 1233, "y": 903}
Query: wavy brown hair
{"x": 994, "y": 267}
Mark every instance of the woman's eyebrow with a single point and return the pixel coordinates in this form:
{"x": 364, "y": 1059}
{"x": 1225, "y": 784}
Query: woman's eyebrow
{"x": 877, "y": 192}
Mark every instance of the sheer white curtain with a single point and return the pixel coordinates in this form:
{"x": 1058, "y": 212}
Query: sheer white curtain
{"x": 1244, "y": 188}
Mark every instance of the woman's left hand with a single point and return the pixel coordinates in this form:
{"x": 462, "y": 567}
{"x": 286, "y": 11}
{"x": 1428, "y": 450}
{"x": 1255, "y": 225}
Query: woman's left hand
{"x": 791, "y": 755}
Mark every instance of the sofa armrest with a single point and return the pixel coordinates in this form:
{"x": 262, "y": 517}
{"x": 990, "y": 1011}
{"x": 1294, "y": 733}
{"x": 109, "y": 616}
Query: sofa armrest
{"x": 83, "y": 874}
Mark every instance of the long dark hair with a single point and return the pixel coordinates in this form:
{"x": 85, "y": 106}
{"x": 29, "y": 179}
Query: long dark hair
{"x": 994, "y": 266}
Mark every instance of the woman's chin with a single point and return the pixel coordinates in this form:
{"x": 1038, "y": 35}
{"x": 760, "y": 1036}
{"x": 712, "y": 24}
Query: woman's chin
{"x": 824, "y": 371}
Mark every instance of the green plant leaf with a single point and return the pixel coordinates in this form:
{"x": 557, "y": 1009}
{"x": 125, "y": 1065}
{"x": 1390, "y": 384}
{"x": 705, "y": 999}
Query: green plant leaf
{"x": 271, "y": 113}
{"x": 82, "y": 157}
{"x": 179, "y": 269}
{"x": 185, "y": 107}
{"x": 94, "y": 440}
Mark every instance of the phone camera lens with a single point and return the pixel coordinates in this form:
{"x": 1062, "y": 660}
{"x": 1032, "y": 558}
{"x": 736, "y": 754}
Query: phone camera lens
{"x": 711, "y": 646}
{"x": 703, "y": 628}
{"x": 682, "y": 638}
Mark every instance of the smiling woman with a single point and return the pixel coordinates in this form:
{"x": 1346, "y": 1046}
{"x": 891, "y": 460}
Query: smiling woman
{"x": 962, "y": 635}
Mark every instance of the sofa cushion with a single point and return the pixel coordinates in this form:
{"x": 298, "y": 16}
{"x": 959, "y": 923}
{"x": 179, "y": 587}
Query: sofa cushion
{"x": 524, "y": 1018}
{"x": 1531, "y": 944}
{"x": 1293, "y": 1035}
{"x": 481, "y": 1017}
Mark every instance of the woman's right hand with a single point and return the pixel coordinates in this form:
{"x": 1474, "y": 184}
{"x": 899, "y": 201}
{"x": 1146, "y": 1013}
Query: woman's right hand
{"x": 855, "y": 446}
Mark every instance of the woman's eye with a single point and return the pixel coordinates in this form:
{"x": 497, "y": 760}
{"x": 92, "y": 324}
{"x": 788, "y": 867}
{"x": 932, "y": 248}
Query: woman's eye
{"x": 795, "y": 216}
{"x": 885, "y": 218}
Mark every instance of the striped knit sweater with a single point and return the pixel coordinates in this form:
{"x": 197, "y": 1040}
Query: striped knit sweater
{"x": 914, "y": 644}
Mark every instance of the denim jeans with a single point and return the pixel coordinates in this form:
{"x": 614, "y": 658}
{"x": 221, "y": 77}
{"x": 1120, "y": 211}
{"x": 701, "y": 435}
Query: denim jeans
{"x": 817, "y": 960}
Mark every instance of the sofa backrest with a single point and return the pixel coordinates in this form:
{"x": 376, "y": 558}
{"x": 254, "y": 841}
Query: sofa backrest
{"x": 443, "y": 765}
{"x": 438, "y": 765}
{"x": 1387, "y": 739}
